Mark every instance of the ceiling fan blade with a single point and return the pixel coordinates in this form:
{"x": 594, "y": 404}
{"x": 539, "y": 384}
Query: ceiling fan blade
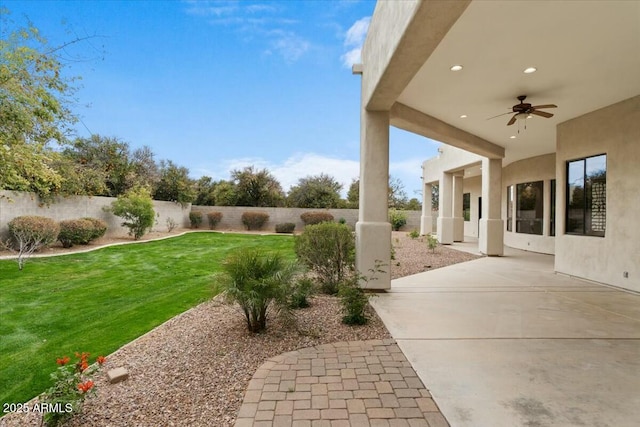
{"x": 499, "y": 115}
{"x": 541, "y": 113}
{"x": 535, "y": 107}
{"x": 513, "y": 120}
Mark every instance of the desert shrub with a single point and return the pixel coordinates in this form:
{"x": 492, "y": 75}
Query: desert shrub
{"x": 414, "y": 234}
{"x": 256, "y": 281}
{"x": 397, "y": 219}
{"x": 75, "y": 232}
{"x": 136, "y": 207}
{"x": 342, "y": 221}
{"x": 98, "y": 228}
{"x": 214, "y": 218}
{"x": 432, "y": 242}
{"x": 29, "y": 234}
{"x": 300, "y": 291}
{"x": 254, "y": 220}
{"x": 195, "y": 218}
{"x": 328, "y": 249}
{"x": 285, "y": 227}
{"x": 311, "y": 218}
{"x": 171, "y": 224}
{"x": 353, "y": 297}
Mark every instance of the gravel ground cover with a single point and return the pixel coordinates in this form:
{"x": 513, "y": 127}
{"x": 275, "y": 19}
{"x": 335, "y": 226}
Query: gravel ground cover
{"x": 193, "y": 370}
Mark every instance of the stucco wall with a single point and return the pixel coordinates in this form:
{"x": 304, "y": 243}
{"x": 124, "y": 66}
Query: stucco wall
{"x": 615, "y": 131}
{"x": 540, "y": 168}
{"x": 13, "y": 204}
{"x": 232, "y": 216}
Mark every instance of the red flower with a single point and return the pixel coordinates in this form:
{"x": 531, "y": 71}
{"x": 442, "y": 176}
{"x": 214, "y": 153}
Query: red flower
{"x": 84, "y": 365}
{"x": 101, "y": 360}
{"x": 85, "y": 387}
{"x": 63, "y": 361}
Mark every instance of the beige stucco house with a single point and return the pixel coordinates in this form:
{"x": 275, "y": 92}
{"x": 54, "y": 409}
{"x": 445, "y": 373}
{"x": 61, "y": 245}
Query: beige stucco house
{"x": 567, "y": 185}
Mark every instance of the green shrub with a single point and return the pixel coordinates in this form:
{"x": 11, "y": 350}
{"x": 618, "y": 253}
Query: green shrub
{"x": 255, "y": 281}
{"x": 328, "y": 249}
{"x": 195, "y": 218}
{"x": 342, "y": 221}
{"x": 414, "y": 234}
{"x": 99, "y": 228}
{"x": 311, "y": 218}
{"x": 29, "y": 234}
{"x": 353, "y": 297}
{"x": 300, "y": 291}
{"x": 397, "y": 219}
{"x": 432, "y": 242}
{"x": 254, "y": 220}
{"x": 285, "y": 227}
{"x": 136, "y": 207}
{"x": 214, "y": 219}
{"x": 75, "y": 232}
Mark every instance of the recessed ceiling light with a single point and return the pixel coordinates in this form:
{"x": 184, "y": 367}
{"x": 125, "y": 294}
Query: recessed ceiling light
{"x": 464, "y": 116}
{"x": 512, "y": 137}
{"x": 456, "y": 68}
{"x": 530, "y": 70}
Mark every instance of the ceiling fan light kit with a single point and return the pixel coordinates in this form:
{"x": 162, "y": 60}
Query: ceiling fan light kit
{"x": 523, "y": 111}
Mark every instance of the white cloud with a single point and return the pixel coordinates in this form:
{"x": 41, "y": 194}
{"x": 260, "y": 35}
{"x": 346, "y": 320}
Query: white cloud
{"x": 290, "y": 46}
{"x": 358, "y": 32}
{"x": 354, "y": 39}
{"x": 352, "y": 57}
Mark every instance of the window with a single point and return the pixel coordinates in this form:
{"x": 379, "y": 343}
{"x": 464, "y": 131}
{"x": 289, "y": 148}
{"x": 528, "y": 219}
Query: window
{"x": 587, "y": 196}
{"x": 510, "y": 208}
{"x": 529, "y": 207}
{"x": 466, "y": 206}
{"x": 552, "y": 214}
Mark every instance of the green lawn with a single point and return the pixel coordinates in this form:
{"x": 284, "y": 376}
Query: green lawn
{"x": 101, "y": 300}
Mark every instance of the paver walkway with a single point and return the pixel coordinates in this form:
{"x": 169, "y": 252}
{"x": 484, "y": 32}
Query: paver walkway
{"x": 361, "y": 383}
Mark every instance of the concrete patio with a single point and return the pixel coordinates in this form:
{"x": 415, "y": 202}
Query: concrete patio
{"x": 505, "y": 342}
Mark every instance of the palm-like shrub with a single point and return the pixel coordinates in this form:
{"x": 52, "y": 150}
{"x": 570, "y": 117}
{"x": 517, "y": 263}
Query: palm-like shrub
{"x": 256, "y": 281}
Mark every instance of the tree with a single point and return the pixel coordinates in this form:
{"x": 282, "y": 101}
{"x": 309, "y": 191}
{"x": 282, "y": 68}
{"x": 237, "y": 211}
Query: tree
{"x": 353, "y": 195}
{"x": 413, "y": 205}
{"x": 225, "y": 193}
{"x": 35, "y": 102}
{"x": 106, "y": 156}
{"x": 435, "y": 196}
{"x": 320, "y": 191}
{"x": 136, "y": 207}
{"x": 175, "y": 184}
{"x": 397, "y": 197}
{"x": 205, "y": 195}
{"x": 257, "y": 188}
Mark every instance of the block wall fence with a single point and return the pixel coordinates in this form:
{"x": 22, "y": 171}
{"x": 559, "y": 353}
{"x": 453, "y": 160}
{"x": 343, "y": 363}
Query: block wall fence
{"x": 13, "y": 204}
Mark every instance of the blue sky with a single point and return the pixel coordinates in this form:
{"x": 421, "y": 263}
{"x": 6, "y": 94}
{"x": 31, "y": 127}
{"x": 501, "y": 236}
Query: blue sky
{"x": 219, "y": 85}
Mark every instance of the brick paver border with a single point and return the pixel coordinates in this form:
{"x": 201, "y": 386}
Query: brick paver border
{"x": 357, "y": 383}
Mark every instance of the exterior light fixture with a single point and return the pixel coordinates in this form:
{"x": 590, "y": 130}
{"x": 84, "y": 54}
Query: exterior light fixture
{"x": 464, "y": 116}
{"x": 512, "y": 137}
{"x": 456, "y": 68}
{"x": 530, "y": 70}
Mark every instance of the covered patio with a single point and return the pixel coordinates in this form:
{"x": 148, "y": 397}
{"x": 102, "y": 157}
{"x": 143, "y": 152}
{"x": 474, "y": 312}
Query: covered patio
{"x": 504, "y": 342}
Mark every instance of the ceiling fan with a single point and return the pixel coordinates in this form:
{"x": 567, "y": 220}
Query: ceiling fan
{"x": 525, "y": 110}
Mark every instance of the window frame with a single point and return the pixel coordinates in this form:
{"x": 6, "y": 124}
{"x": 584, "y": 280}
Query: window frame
{"x": 587, "y": 230}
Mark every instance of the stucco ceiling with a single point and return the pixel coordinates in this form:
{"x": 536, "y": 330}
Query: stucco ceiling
{"x": 587, "y": 55}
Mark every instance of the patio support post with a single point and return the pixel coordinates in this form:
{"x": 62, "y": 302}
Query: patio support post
{"x": 426, "y": 220}
{"x": 373, "y": 230}
{"x": 458, "y": 219}
{"x": 445, "y": 207}
{"x": 491, "y": 238}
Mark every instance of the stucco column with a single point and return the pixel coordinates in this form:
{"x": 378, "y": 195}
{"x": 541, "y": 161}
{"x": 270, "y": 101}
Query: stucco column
{"x": 373, "y": 230}
{"x": 445, "y": 207}
{"x": 546, "y": 207}
{"x": 458, "y": 219}
{"x": 426, "y": 220}
{"x": 491, "y": 236}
